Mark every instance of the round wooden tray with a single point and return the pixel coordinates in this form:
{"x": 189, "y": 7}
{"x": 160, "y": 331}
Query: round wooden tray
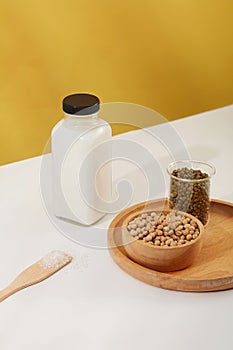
{"x": 211, "y": 271}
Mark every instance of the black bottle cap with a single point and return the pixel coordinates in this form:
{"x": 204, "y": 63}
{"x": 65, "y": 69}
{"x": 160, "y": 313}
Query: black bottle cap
{"x": 81, "y": 104}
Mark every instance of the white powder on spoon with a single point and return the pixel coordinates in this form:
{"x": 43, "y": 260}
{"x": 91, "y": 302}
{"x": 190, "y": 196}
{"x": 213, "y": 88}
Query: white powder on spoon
{"x": 54, "y": 259}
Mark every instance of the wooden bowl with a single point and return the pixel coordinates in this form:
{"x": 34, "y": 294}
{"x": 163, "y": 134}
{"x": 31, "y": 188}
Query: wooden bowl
{"x": 164, "y": 259}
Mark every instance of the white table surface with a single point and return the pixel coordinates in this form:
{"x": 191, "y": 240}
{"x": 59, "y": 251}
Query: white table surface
{"x": 92, "y": 303}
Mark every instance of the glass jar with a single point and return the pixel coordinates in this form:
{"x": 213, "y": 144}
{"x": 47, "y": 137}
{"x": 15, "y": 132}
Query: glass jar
{"x": 80, "y": 143}
{"x": 190, "y": 187}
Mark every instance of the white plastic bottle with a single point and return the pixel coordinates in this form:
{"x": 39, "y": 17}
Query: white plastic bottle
{"x": 78, "y": 143}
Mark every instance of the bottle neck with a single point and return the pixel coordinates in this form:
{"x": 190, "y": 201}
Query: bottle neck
{"x": 87, "y": 117}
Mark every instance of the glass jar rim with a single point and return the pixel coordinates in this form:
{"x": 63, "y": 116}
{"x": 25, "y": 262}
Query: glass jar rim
{"x": 186, "y": 161}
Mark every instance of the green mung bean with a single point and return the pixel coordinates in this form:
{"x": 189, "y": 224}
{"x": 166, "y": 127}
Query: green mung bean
{"x": 190, "y": 196}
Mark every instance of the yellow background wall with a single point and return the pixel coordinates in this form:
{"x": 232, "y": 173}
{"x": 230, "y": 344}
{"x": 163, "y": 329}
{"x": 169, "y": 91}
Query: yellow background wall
{"x": 174, "y": 56}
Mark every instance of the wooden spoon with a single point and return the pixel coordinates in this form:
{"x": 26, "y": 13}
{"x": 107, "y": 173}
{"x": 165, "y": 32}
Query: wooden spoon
{"x": 32, "y": 275}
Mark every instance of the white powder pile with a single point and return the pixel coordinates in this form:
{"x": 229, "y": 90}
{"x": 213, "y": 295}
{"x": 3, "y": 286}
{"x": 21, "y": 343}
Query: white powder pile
{"x": 54, "y": 259}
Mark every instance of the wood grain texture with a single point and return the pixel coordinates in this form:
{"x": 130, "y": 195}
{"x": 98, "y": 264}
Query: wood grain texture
{"x": 211, "y": 271}
{"x": 32, "y": 275}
